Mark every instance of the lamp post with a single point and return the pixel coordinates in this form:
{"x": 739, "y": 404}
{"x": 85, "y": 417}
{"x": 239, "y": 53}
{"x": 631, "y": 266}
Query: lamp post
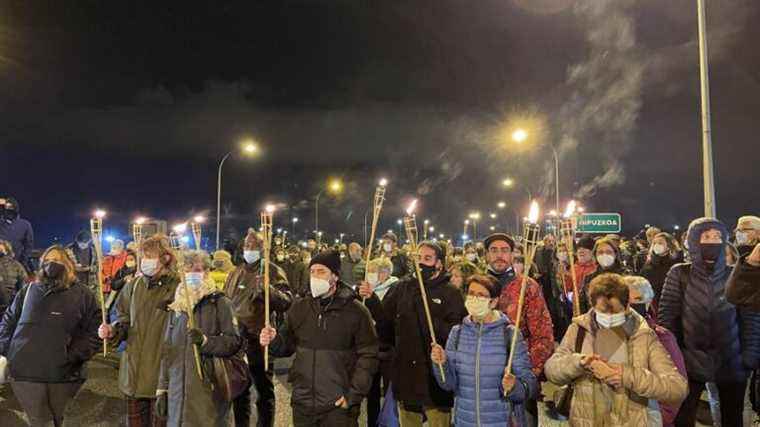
{"x": 250, "y": 148}
{"x": 519, "y": 136}
{"x": 704, "y": 77}
{"x": 335, "y": 186}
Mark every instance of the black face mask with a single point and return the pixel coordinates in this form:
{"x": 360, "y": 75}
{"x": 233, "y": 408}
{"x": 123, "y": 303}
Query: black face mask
{"x": 640, "y": 308}
{"x": 9, "y": 214}
{"x": 711, "y": 251}
{"x": 53, "y": 270}
{"x": 427, "y": 271}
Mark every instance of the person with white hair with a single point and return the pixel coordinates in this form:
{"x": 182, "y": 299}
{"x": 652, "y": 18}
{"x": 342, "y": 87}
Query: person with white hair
{"x": 641, "y": 296}
{"x": 747, "y": 234}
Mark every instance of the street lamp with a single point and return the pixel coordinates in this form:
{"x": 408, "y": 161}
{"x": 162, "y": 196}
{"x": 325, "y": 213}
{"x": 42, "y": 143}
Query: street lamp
{"x": 334, "y": 186}
{"x": 249, "y": 148}
{"x": 502, "y": 205}
{"x": 293, "y": 222}
{"x": 508, "y": 182}
{"x": 519, "y": 136}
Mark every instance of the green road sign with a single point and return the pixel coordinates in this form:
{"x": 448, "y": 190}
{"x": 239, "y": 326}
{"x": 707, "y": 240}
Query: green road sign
{"x": 604, "y": 223}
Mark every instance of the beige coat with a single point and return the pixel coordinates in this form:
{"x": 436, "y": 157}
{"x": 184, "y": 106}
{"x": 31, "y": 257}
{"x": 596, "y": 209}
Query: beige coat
{"x": 648, "y": 374}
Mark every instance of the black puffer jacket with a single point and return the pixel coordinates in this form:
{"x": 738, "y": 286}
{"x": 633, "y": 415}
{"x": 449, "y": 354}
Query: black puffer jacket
{"x": 719, "y": 342}
{"x": 656, "y": 269}
{"x": 403, "y": 325}
{"x": 51, "y": 338}
{"x": 336, "y": 350}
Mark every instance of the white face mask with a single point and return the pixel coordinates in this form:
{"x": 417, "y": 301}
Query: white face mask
{"x": 741, "y": 238}
{"x": 280, "y": 257}
{"x": 659, "y": 249}
{"x": 605, "y": 260}
{"x": 471, "y": 257}
{"x": 318, "y": 286}
{"x": 194, "y": 280}
{"x": 609, "y": 320}
{"x": 148, "y": 266}
{"x": 387, "y": 247}
{"x": 477, "y": 307}
{"x": 130, "y": 264}
{"x": 562, "y": 256}
{"x": 251, "y": 256}
{"x": 373, "y": 278}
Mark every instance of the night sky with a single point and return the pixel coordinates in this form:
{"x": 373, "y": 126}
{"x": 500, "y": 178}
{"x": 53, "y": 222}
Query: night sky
{"x": 129, "y": 106}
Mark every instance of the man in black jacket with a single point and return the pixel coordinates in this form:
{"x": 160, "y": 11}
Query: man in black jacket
{"x": 332, "y": 336}
{"x": 403, "y": 325}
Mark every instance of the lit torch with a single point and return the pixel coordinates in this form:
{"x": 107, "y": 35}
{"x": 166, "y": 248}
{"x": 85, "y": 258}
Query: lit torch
{"x": 531, "y": 237}
{"x": 266, "y": 231}
{"x": 377, "y": 207}
{"x": 96, "y": 230}
{"x": 567, "y": 232}
{"x": 196, "y": 227}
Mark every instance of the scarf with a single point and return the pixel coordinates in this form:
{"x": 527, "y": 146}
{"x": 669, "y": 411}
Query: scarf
{"x": 179, "y": 304}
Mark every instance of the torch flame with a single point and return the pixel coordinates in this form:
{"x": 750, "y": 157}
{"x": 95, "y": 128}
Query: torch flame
{"x": 180, "y": 228}
{"x": 383, "y": 182}
{"x": 269, "y": 208}
{"x": 570, "y": 210}
{"x": 199, "y": 219}
{"x": 411, "y": 208}
{"x": 533, "y": 214}
{"x": 100, "y": 213}
{"x": 140, "y": 221}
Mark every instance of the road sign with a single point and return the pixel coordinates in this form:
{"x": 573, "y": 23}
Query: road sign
{"x": 604, "y": 223}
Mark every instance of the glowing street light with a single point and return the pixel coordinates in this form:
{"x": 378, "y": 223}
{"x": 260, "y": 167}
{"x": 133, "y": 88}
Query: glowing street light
{"x": 335, "y": 186}
{"x": 249, "y": 148}
{"x": 519, "y": 135}
{"x": 493, "y": 215}
{"x": 502, "y": 205}
{"x": 508, "y": 182}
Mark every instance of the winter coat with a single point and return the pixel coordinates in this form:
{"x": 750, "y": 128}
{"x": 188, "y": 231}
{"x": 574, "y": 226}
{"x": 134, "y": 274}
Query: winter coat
{"x": 536, "y": 324}
{"x": 141, "y": 317}
{"x": 655, "y": 270}
{"x": 669, "y": 342}
{"x": 298, "y": 277}
{"x": 191, "y": 400}
{"x": 581, "y": 271}
{"x": 120, "y": 279}
{"x": 87, "y": 265}
{"x": 616, "y": 268}
{"x": 475, "y": 367}
{"x": 648, "y": 373}
{"x": 111, "y": 265}
{"x": 49, "y": 337}
{"x": 245, "y": 287}
{"x": 404, "y": 327}
{"x": 401, "y": 265}
{"x": 21, "y": 237}
{"x": 719, "y": 341}
{"x": 335, "y": 348}
{"x": 12, "y": 279}
{"x": 347, "y": 271}
{"x": 743, "y": 288}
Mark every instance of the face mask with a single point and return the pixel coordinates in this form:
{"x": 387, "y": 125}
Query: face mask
{"x": 609, "y": 320}
{"x": 605, "y": 260}
{"x": 477, "y": 307}
{"x": 640, "y": 308}
{"x": 472, "y": 257}
{"x": 251, "y": 256}
{"x": 319, "y": 287}
{"x": 83, "y": 246}
{"x": 427, "y": 271}
{"x": 584, "y": 259}
{"x": 711, "y": 251}
{"x": 278, "y": 242}
{"x": 10, "y": 215}
{"x": 194, "y": 280}
{"x": 659, "y": 249}
{"x": 130, "y": 264}
{"x": 280, "y": 257}
{"x": 562, "y": 256}
{"x": 373, "y": 278}
{"x": 387, "y": 247}
{"x": 53, "y": 270}
{"x": 148, "y": 266}
{"x": 741, "y": 238}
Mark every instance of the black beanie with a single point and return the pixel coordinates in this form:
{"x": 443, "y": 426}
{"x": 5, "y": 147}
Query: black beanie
{"x": 586, "y": 243}
{"x": 330, "y": 259}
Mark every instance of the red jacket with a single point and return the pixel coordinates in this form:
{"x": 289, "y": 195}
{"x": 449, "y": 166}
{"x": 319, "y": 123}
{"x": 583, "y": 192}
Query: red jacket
{"x": 536, "y": 324}
{"x": 581, "y": 271}
{"x": 112, "y": 264}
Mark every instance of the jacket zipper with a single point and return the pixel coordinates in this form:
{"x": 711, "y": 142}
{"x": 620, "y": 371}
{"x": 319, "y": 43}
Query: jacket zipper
{"x": 477, "y": 376}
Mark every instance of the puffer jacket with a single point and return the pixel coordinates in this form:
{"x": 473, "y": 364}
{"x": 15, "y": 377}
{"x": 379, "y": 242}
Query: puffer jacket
{"x": 649, "y": 373}
{"x": 191, "y": 400}
{"x": 141, "y": 317}
{"x": 719, "y": 341}
{"x": 476, "y": 356}
{"x": 12, "y": 279}
{"x": 402, "y": 325}
{"x": 336, "y": 350}
{"x": 49, "y": 335}
{"x": 656, "y": 269}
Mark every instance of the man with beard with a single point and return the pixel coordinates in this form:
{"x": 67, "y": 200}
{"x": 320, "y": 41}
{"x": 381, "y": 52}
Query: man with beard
{"x": 536, "y": 323}
{"x": 17, "y": 231}
{"x": 350, "y": 265}
{"x": 245, "y": 286}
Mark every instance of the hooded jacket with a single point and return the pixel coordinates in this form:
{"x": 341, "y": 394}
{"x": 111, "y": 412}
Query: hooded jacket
{"x": 648, "y": 374}
{"x": 475, "y": 367}
{"x": 48, "y": 335}
{"x": 12, "y": 279}
{"x": 19, "y": 233}
{"x": 403, "y": 326}
{"x": 719, "y": 341}
{"x": 743, "y": 288}
{"x": 335, "y": 350}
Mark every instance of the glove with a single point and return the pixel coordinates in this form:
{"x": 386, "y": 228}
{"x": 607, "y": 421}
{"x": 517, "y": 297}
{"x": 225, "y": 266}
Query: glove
{"x": 162, "y": 404}
{"x": 195, "y": 336}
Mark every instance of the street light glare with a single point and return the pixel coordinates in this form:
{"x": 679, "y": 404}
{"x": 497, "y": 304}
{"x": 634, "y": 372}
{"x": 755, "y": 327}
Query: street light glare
{"x": 508, "y": 182}
{"x": 335, "y": 186}
{"x": 250, "y": 148}
{"x": 519, "y": 135}
{"x": 295, "y": 220}
{"x": 502, "y": 205}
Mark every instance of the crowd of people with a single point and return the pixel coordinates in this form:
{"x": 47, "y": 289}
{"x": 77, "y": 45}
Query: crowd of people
{"x": 630, "y": 331}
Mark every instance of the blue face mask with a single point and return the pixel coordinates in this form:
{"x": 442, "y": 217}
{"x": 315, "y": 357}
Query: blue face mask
{"x": 194, "y": 280}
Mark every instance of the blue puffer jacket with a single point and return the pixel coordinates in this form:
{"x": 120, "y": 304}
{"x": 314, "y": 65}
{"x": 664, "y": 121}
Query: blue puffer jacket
{"x": 474, "y": 371}
{"x": 719, "y": 341}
